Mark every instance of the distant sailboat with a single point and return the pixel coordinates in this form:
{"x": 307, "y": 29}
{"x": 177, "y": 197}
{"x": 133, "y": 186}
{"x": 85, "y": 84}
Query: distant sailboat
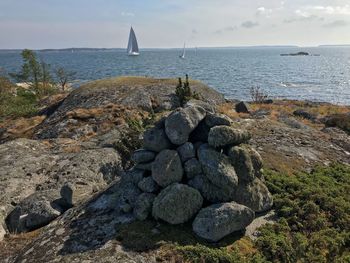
{"x": 183, "y": 52}
{"x": 133, "y": 47}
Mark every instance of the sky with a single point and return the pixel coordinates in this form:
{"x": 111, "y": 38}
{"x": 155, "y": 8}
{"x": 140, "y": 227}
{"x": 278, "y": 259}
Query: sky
{"x": 38, "y": 24}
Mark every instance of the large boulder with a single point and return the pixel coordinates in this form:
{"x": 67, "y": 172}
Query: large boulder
{"x": 242, "y": 107}
{"x": 217, "y": 119}
{"x": 167, "y": 168}
{"x": 143, "y": 206}
{"x": 35, "y": 211}
{"x": 219, "y": 220}
{"x": 180, "y": 123}
{"x": 148, "y": 185}
{"x": 192, "y": 168}
{"x": 143, "y": 156}
{"x": 242, "y": 161}
{"x": 254, "y": 195}
{"x": 186, "y": 151}
{"x": 177, "y": 203}
{"x": 155, "y": 140}
{"x": 211, "y": 192}
{"x": 217, "y": 168}
{"x": 221, "y": 136}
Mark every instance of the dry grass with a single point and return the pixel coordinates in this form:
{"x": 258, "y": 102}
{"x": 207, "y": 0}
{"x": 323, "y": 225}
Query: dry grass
{"x": 133, "y": 81}
{"x": 12, "y": 244}
{"x": 289, "y": 106}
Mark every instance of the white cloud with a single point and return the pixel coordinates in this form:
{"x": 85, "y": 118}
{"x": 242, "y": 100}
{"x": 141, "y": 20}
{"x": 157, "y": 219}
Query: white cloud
{"x": 262, "y": 11}
{"x": 331, "y": 10}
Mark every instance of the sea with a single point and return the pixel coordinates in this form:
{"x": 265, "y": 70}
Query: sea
{"x": 324, "y": 76}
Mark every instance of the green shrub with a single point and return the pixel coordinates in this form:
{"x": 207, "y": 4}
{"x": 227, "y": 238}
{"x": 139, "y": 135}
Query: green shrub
{"x": 184, "y": 93}
{"x": 315, "y": 217}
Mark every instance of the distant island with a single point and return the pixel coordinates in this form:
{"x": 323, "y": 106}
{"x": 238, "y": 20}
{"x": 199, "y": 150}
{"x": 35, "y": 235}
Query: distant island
{"x": 297, "y": 54}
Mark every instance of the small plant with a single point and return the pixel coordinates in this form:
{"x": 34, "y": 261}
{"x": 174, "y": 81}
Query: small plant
{"x": 184, "y": 93}
{"x": 257, "y": 95}
{"x": 63, "y": 77}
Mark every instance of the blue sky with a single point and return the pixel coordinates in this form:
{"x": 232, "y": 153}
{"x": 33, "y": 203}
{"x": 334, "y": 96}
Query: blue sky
{"x": 168, "y": 23}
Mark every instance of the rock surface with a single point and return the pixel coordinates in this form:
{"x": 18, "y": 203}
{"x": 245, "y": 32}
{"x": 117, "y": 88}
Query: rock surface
{"x": 180, "y": 123}
{"x": 177, "y": 203}
{"x": 167, "y": 168}
{"x": 155, "y": 140}
{"x": 217, "y": 221}
{"x": 221, "y": 136}
{"x": 217, "y": 168}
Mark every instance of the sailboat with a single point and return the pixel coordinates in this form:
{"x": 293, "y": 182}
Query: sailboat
{"x": 133, "y": 47}
{"x": 183, "y": 52}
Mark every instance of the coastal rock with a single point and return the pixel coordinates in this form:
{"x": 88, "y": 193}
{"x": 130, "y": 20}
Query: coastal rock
{"x": 217, "y": 168}
{"x": 33, "y": 212}
{"x": 212, "y": 120}
{"x": 167, "y": 168}
{"x": 177, "y": 203}
{"x": 186, "y": 151}
{"x": 304, "y": 114}
{"x": 211, "y": 192}
{"x": 134, "y": 176}
{"x": 254, "y": 195}
{"x": 143, "y": 156}
{"x": 155, "y": 140}
{"x": 242, "y": 162}
{"x": 143, "y": 206}
{"x": 192, "y": 168}
{"x": 148, "y": 185}
{"x": 221, "y": 136}
{"x": 180, "y": 123}
{"x": 242, "y": 107}
{"x": 205, "y": 105}
{"x": 219, "y": 220}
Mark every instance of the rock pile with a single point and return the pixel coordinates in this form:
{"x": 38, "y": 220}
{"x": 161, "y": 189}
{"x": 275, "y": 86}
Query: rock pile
{"x": 194, "y": 165}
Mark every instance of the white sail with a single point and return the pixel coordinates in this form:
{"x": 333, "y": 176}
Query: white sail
{"x": 183, "y": 51}
{"x": 133, "y": 47}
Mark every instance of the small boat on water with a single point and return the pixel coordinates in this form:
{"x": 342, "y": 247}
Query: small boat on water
{"x": 183, "y": 52}
{"x": 133, "y": 47}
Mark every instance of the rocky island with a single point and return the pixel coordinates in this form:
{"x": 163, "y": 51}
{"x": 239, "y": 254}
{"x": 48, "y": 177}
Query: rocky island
{"x": 125, "y": 170}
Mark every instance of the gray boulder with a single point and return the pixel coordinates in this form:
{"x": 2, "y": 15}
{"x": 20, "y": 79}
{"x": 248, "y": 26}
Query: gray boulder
{"x": 155, "y": 140}
{"x": 134, "y": 176}
{"x": 143, "y": 206}
{"x": 33, "y": 212}
{"x": 144, "y": 166}
{"x": 254, "y": 195}
{"x": 177, "y": 203}
{"x": 167, "y": 168}
{"x": 186, "y": 151}
{"x": 219, "y": 220}
{"x": 242, "y": 161}
{"x": 217, "y": 168}
{"x": 205, "y": 105}
{"x": 180, "y": 123}
{"x": 211, "y": 192}
{"x": 217, "y": 119}
{"x": 148, "y": 185}
{"x": 221, "y": 136}
{"x": 192, "y": 168}
{"x": 143, "y": 156}
{"x": 242, "y": 107}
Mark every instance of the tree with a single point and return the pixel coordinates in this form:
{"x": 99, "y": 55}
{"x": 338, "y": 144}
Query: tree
{"x": 35, "y": 73}
{"x": 64, "y": 76}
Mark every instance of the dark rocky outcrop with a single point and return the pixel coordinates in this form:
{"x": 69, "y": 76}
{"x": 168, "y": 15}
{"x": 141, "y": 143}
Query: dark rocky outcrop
{"x": 242, "y": 107}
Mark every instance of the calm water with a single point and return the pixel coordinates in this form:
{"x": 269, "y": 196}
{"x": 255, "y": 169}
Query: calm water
{"x": 230, "y": 71}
